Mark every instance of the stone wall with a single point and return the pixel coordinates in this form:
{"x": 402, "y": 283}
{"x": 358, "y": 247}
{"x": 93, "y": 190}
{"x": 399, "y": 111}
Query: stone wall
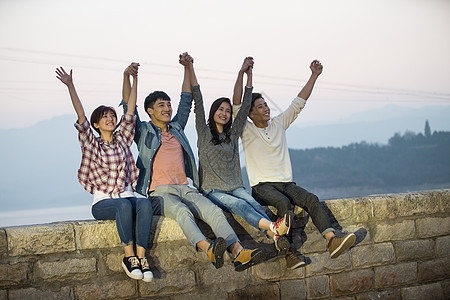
{"x": 403, "y": 252}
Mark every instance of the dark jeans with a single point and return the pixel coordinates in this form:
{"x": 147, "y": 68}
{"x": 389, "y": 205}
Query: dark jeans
{"x": 124, "y": 210}
{"x": 282, "y": 195}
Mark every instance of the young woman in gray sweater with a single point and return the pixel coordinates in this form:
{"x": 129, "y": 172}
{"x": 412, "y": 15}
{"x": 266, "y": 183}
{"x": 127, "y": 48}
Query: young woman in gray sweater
{"x": 219, "y": 167}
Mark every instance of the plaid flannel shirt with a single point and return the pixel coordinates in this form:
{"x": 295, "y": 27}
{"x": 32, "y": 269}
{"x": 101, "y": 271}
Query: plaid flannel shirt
{"x": 107, "y": 166}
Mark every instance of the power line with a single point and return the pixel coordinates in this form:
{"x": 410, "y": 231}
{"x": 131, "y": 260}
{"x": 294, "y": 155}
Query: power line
{"x": 334, "y": 86}
{"x": 362, "y": 87}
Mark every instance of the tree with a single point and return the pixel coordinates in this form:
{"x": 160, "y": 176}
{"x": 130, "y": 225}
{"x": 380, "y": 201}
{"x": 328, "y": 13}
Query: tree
{"x": 427, "y": 129}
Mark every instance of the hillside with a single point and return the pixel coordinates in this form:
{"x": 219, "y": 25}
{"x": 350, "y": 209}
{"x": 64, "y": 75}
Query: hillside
{"x": 408, "y": 162}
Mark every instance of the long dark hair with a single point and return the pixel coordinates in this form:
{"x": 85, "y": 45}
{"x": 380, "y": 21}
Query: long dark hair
{"x": 212, "y": 125}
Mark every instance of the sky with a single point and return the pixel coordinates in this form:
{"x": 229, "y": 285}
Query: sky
{"x": 374, "y": 53}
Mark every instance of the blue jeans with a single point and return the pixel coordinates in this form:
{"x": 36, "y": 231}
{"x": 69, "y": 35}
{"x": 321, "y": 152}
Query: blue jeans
{"x": 124, "y": 210}
{"x": 183, "y": 204}
{"x": 240, "y": 203}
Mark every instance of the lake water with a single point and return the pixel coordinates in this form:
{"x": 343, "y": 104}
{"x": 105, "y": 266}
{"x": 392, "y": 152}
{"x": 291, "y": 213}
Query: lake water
{"x": 45, "y": 215}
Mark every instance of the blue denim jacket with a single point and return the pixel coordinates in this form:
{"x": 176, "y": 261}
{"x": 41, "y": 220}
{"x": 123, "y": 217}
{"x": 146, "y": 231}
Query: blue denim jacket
{"x": 148, "y": 140}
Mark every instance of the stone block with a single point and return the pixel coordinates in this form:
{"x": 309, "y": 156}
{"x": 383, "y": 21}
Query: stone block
{"x": 384, "y": 207}
{"x": 75, "y": 268}
{"x": 318, "y": 287}
{"x": 323, "y": 264}
{"x": 444, "y": 198}
{"x": 42, "y": 239}
{"x": 3, "y": 244}
{"x": 166, "y": 230}
{"x": 392, "y": 294}
{"x": 394, "y": 275}
{"x": 363, "y": 211}
{"x": 413, "y": 204}
{"x": 433, "y": 227}
{"x": 96, "y": 235}
{"x": 343, "y": 210}
{"x": 425, "y": 291}
{"x": 315, "y": 243}
{"x": 372, "y": 255}
{"x": 3, "y": 295}
{"x": 177, "y": 281}
{"x": 293, "y": 289}
{"x": 214, "y": 278}
{"x": 14, "y": 274}
{"x": 107, "y": 289}
{"x": 275, "y": 269}
{"x": 114, "y": 262}
{"x": 446, "y": 288}
{"x": 197, "y": 294}
{"x": 433, "y": 270}
{"x": 395, "y": 231}
{"x": 265, "y": 291}
{"x": 47, "y": 294}
{"x": 443, "y": 246}
{"x": 176, "y": 254}
{"x": 353, "y": 282}
{"x": 271, "y": 269}
{"x": 414, "y": 250}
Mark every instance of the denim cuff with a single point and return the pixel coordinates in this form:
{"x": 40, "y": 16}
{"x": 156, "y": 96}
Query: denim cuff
{"x": 129, "y": 243}
{"x": 328, "y": 230}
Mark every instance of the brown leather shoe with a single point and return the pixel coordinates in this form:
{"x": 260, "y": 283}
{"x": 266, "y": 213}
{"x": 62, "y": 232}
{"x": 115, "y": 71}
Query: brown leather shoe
{"x": 339, "y": 245}
{"x": 294, "y": 259}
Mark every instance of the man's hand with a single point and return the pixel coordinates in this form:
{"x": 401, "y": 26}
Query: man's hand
{"x": 185, "y": 59}
{"x": 132, "y": 69}
{"x": 63, "y": 76}
{"x": 316, "y": 67}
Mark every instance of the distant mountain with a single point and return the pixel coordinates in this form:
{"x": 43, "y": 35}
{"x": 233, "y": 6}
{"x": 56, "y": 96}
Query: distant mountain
{"x": 409, "y": 162}
{"x": 39, "y": 163}
{"x": 39, "y": 166}
{"x": 375, "y": 126}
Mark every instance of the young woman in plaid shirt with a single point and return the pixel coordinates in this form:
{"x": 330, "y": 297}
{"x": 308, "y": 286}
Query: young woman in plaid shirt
{"x": 109, "y": 173}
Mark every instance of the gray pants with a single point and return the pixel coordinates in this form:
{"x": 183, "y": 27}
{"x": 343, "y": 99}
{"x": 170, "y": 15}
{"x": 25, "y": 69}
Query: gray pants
{"x": 183, "y": 204}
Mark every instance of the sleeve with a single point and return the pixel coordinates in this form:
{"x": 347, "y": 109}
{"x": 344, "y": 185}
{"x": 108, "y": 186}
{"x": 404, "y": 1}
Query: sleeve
{"x": 199, "y": 110}
{"x": 184, "y": 108}
{"x": 85, "y": 134}
{"x": 241, "y": 116}
{"x": 127, "y": 128}
{"x": 290, "y": 114}
{"x": 236, "y": 109}
{"x": 138, "y": 122}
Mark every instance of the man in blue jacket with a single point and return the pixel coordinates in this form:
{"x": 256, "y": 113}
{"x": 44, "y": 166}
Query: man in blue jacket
{"x": 166, "y": 160}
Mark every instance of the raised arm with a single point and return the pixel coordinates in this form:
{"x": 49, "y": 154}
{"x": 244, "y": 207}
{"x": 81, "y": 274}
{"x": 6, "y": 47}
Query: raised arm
{"x": 316, "y": 69}
{"x": 132, "y": 70}
{"x": 290, "y": 114}
{"x": 190, "y": 70}
{"x": 184, "y": 107}
{"x": 187, "y": 61}
{"x": 247, "y": 65}
{"x": 133, "y": 96}
{"x": 68, "y": 81}
{"x": 199, "y": 110}
{"x": 240, "y": 118}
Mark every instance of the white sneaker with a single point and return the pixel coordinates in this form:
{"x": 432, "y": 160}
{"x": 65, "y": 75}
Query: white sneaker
{"x": 132, "y": 267}
{"x": 145, "y": 268}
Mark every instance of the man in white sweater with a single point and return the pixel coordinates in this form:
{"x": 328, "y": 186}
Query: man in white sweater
{"x": 269, "y": 167}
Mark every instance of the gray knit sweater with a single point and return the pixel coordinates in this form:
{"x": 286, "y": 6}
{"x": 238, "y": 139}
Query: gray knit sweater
{"x": 219, "y": 166}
